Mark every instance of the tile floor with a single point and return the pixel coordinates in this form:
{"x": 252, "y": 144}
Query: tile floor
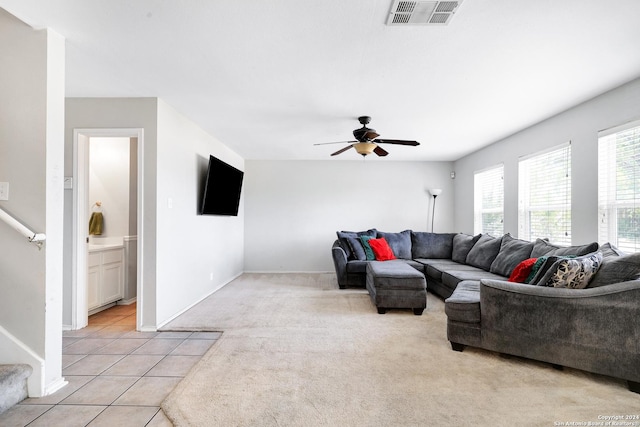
{"x": 117, "y": 376}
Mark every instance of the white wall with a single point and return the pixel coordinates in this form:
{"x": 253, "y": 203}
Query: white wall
{"x": 31, "y": 160}
{"x": 294, "y": 208}
{"x": 196, "y": 254}
{"x": 109, "y": 183}
{"x": 580, "y": 125}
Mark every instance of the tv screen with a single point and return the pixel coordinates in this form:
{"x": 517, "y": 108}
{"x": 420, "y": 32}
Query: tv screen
{"x": 222, "y": 188}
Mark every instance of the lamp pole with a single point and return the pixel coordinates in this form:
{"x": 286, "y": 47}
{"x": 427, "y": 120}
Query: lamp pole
{"x": 435, "y": 192}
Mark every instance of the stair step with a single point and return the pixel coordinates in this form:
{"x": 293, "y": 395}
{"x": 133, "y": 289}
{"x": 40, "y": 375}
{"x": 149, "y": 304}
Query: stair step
{"x": 13, "y": 384}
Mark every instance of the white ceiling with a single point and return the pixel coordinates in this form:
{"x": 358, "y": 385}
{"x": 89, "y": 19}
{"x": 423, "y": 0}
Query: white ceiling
{"x": 271, "y": 78}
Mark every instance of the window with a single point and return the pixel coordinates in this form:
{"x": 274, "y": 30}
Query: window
{"x": 488, "y": 204}
{"x": 619, "y": 186}
{"x": 544, "y": 206}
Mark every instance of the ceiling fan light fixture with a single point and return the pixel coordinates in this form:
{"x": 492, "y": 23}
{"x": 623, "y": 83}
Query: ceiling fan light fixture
{"x": 365, "y": 148}
{"x": 367, "y": 141}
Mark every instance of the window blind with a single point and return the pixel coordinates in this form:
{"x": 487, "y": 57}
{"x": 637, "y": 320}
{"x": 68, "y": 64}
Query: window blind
{"x": 489, "y": 201}
{"x": 544, "y": 205}
{"x": 619, "y": 187}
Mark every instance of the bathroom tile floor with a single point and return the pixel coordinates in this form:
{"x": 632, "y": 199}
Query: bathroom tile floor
{"x": 117, "y": 376}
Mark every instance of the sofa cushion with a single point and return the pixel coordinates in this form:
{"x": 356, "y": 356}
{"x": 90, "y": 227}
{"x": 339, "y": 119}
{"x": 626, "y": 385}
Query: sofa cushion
{"x": 357, "y": 266}
{"x": 522, "y": 270}
{"x": 381, "y": 249}
{"x": 434, "y": 268}
{"x": 616, "y": 268}
{"x": 452, "y": 278}
{"x": 573, "y": 273}
{"x": 415, "y": 264}
{"x": 544, "y": 248}
{"x": 343, "y": 237}
{"x": 431, "y": 245}
{"x": 370, "y": 256}
{"x": 512, "y": 252}
{"x": 484, "y": 252}
{"x": 400, "y": 243}
{"x": 464, "y": 303}
{"x": 462, "y": 244}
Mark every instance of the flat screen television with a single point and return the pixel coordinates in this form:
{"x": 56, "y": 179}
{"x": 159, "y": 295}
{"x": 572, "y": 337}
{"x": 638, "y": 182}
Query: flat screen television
{"x": 222, "y": 189}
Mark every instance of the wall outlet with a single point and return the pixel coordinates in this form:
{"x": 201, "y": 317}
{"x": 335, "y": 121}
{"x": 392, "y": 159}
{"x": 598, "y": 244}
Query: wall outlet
{"x": 210, "y": 276}
{"x": 4, "y": 191}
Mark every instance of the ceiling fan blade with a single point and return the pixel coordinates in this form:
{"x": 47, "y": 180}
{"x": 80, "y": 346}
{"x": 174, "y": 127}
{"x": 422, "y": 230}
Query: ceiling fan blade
{"x": 380, "y": 151}
{"x": 342, "y": 151}
{"x": 396, "y": 141}
{"x": 371, "y": 135}
{"x": 339, "y": 142}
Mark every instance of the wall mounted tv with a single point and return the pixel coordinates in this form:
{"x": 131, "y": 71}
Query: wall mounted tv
{"x": 222, "y": 189}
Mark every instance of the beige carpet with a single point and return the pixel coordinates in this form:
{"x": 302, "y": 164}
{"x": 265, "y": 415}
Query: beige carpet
{"x": 298, "y": 351}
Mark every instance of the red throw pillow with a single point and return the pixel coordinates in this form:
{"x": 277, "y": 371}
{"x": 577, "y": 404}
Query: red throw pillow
{"x": 381, "y": 249}
{"x": 522, "y": 270}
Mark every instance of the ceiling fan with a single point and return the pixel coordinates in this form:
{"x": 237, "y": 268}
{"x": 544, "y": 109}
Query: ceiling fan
{"x": 366, "y": 142}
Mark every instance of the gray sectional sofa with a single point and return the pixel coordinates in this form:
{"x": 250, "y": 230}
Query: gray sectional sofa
{"x": 553, "y": 318}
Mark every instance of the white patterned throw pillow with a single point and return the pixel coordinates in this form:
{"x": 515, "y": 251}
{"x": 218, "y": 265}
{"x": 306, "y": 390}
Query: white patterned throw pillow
{"x": 573, "y": 273}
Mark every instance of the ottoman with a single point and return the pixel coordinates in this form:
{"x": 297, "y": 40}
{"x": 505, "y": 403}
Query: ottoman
{"x": 395, "y": 284}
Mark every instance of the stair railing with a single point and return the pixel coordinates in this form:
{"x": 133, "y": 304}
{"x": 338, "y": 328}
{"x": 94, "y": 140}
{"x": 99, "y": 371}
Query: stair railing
{"x": 35, "y": 238}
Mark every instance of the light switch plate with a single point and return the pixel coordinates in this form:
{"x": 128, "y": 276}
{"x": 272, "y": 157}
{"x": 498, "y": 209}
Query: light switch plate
{"x": 4, "y": 191}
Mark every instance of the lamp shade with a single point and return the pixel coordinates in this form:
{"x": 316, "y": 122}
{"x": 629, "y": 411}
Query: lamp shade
{"x": 365, "y": 148}
{"x": 435, "y": 191}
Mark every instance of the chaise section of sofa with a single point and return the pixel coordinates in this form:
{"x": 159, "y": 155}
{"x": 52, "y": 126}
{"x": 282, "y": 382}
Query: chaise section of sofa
{"x": 590, "y": 328}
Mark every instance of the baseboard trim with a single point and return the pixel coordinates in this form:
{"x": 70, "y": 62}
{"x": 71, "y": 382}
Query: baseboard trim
{"x": 55, "y": 386}
{"x": 287, "y": 272}
{"x": 127, "y": 301}
{"x": 199, "y": 301}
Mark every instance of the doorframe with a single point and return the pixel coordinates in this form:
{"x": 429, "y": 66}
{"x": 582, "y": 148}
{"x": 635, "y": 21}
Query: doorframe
{"x": 81, "y": 139}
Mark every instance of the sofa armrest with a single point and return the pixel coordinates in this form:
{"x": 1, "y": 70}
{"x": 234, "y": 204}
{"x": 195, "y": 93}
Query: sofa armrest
{"x": 339, "y": 263}
{"x": 545, "y": 291}
{"x": 603, "y": 318}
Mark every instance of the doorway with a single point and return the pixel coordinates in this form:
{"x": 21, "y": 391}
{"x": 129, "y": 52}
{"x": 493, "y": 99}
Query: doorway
{"x": 130, "y": 228}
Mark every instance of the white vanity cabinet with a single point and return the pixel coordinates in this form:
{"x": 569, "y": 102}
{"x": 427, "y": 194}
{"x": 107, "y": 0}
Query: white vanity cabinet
{"x": 106, "y": 276}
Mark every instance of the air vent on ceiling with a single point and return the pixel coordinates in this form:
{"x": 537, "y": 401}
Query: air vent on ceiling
{"x": 405, "y": 12}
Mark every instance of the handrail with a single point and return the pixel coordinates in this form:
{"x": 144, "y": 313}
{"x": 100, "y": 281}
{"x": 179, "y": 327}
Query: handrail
{"x": 35, "y": 238}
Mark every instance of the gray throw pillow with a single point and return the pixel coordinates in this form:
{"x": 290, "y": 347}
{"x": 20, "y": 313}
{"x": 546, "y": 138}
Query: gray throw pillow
{"x": 400, "y": 243}
{"x": 347, "y": 245}
{"x": 544, "y": 248}
{"x": 610, "y": 251}
{"x": 616, "y": 268}
{"x": 484, "y": 252}
{"x": 540, "y": 268}
{"x": 431, "y": 245}
{"x": 573, "y": 273}
{"x": 462, "y": 244}
{"x": 512, "y": 252}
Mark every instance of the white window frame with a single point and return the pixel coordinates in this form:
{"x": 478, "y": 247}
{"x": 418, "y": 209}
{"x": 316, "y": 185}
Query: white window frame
{"x": 561, "y": 189}
{"x": 483, "y": 180}
{"x": 608, "y": 197}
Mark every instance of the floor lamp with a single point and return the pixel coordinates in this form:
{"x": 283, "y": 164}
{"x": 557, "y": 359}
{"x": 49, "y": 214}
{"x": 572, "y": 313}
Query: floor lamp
{"x": 435, "y": 192}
